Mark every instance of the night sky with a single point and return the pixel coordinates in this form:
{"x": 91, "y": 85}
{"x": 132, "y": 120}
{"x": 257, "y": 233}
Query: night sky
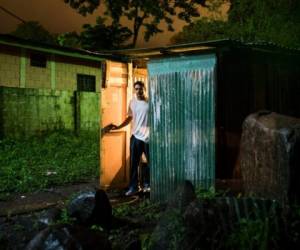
{"x": 57, "y": 17}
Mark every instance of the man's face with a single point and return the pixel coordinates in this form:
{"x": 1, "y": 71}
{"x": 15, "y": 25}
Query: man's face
{"x": 139, "y": 91}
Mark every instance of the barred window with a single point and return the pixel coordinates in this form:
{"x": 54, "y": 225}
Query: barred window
{"x": 86, "y": 83}
{"x": 38, "y": 60}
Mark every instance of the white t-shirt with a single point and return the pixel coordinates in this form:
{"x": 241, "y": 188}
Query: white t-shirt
{"x": 139, "y": 109}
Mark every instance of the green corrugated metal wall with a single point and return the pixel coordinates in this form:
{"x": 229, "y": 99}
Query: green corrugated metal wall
{"x": 182, "y": 122}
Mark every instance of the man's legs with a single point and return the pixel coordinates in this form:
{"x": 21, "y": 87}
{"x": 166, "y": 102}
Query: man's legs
{"x": 136, "y": 150}
{"x": 147, "y": 168}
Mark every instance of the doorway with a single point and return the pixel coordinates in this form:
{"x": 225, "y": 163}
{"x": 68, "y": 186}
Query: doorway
{"x": 116, "y": 95}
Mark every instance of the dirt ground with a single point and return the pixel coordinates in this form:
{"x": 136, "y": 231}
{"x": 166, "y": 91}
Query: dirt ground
{"x": 19, "y": 211}
{"x": 27, "y": 202}
{"x": 23, "y": 203}
{"x": 56, "y": 196}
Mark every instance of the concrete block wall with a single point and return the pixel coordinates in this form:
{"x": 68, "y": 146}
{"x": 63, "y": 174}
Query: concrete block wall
{"x": 9, "y": 67}
{"x": 27, "y": 112}
{"x": 88, "y": 112}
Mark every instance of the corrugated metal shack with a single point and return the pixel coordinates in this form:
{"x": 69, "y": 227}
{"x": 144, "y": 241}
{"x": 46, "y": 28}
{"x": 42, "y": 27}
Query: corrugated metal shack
{"x": 200, "y": 94}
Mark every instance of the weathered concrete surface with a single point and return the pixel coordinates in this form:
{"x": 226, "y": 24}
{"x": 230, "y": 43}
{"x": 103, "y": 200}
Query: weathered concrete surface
{"x": 30, "y": 112}
{"x": 270, "y": 156}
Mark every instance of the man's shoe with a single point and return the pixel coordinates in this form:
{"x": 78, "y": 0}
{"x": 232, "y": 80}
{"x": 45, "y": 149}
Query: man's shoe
{"x": 131, "y": 192}
{"x": 146, "y": 188}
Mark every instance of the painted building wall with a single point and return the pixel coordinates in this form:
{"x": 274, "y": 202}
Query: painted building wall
{"x": 36, "y": 77}
{"x": 66, "y": 70}
{"x": 36, "y": 99}
{"x": 9, "y": 67}
{"x": 60, "y": 72}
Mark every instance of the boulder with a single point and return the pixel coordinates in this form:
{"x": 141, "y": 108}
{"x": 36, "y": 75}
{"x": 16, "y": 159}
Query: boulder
{"x": 169, "y": 233}
{"x": 225, "y": 212}
{"x": 182, "y": 197}
{"x": 270, "y": 156}
{"x": 91, "y": 208}
{"x": 69, "y": 237}
{"x": 50, "y": 216}
{"x": 102, "y": 213}
{"x": 81, "y": 207}
{"x": 210, "y": 222}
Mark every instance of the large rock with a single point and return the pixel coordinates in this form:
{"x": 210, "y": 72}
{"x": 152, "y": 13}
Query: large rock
{"x": 182, "y": 197}
{"x": 170, "y": 230}
{"x": 210, "y": 222}
{"x": 91, "y": 208}
{"x": 206, "y": 215}
{"x": 69, "y": 237}
{"x": 50, "y": 216}
{"x": 102, "y": 213}
{"x": 270, "y": 156}
{"x": 81, "y": 207}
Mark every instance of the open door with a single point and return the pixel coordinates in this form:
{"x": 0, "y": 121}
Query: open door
{"x": 115, "y": 144}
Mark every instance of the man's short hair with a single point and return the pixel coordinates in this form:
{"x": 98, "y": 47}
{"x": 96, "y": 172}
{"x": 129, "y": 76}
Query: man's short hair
{"x": 139, "y": 83}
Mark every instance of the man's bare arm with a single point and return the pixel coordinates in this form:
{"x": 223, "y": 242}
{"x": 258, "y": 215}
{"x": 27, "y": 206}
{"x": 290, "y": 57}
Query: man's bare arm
{"x": 106, "y": 129}
{"x": 123, "y": 124}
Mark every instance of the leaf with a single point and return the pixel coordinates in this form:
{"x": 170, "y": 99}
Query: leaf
{"x": 140, "y": 12}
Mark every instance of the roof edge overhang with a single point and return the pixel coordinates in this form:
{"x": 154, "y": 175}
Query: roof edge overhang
{"x": 12, "y": 41}
{"x": 127, "y": 55}
{"x": 178, "y": 49}
{"x": 212, "y": 46}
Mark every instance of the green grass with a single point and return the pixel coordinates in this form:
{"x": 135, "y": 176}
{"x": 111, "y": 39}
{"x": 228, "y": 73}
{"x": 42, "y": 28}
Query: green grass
{"x": 52, "y": 159}
{"x": 253, "y": 234}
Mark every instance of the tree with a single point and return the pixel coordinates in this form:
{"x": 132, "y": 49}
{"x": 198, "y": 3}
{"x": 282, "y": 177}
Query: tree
{"x": 69, "y": 39}
{"x": 101, "y": 36}
{"x": 96, "y": 37}
{"x": 143, "y": 13}
{"x": 266, "y": 20}
{"x": 250, "y": 21}
{"x": 34, "y": 31}
{"x": 202, "y": 30}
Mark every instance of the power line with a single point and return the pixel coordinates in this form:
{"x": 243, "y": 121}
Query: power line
{"x": 12, "y": 14}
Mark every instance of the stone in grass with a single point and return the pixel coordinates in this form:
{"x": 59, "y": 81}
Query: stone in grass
{"x": 270, "y": 156}
{"x": 91, "y": 208}
{"x": 50, "y": 216}
{"x": 182, "y": 197}
{"x": 69, "y": 237}
{"x": 210, "y": 222}
{"x": 169, "y": 233}
{"x": 81, "y": 207}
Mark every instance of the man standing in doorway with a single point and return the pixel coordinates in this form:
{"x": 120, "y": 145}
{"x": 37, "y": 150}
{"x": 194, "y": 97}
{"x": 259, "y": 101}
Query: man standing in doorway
{"x": 139, "y": 142}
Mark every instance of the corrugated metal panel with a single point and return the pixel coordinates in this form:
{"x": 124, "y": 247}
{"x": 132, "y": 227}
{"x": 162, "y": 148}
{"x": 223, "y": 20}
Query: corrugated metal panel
{"x": 182, "y": 122}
